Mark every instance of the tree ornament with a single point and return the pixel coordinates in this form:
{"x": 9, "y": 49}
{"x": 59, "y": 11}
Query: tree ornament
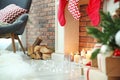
{"x": 106, "y": 50}
{"x": 117, "y": 38}
{"x": 116, "y": 52}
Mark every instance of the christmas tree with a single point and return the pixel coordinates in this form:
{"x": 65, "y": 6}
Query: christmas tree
{"x": 110, "y": 26}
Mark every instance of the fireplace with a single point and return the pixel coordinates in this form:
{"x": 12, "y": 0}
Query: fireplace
{"x": 76, "y": 37}
{"x": 85, "y": 40}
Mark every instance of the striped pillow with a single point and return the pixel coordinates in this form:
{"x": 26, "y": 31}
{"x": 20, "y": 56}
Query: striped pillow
{"x": 10, "y": 13}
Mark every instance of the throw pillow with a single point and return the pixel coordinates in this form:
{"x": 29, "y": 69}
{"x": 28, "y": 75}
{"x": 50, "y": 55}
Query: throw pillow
{"x": 10, "y": 13}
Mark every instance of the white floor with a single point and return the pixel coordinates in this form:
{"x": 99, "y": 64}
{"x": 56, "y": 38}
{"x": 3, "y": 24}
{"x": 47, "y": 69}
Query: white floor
{"x": 20, "y": 67}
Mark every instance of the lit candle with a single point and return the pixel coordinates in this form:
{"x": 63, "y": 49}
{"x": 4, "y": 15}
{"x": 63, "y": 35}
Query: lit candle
{"x": 72, "y": 57}
{"x": 83, "y": 53}
{"x": 76, "y": 58}
{"x": 88, "y": 55}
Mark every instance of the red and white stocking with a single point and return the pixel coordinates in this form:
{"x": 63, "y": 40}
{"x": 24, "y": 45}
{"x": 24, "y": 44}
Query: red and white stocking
{"x": 73, "y": 8}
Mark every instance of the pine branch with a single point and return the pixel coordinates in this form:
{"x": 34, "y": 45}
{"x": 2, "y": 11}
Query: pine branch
{"x": 95, "y": 53}
{"x": 110, "y": 26}
{"x": 106, "y": 17}
{"x": 94, "y": 32}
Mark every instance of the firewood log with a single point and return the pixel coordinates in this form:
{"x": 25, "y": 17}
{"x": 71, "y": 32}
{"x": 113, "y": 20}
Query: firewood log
{"x": 45, "y": 49}
{"x": 37, "y": 41}
{"x": 30, "y": 50}
{"x": 32, "y": 56}
{"x": 37, "y": 48}
{"x": 38, "y": 55}
{"x": 46, "y": 56}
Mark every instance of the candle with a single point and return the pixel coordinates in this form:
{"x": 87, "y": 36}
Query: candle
{"x": 76, "y": 58}
{"x": 72, "y": 57}
{"x": 83, "y": 53}
{"x": 88, "y": 55}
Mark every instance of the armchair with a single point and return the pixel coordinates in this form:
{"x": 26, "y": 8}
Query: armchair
{"x": 17, "y": 27}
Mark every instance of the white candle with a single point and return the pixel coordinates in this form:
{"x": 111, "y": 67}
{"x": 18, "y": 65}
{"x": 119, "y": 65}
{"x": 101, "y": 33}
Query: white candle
{"x": 83, "y": 53}
{"x": 76, "y": 58}
{"x": 88, "y": 55}
{"x": 72, "y": 57}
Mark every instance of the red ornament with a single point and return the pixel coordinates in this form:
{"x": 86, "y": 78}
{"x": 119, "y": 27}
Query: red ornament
{"x": 117, "y": 52}
{"x": 89, "y": 63}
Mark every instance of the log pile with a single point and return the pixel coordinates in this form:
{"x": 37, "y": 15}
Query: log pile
{"x": 37, "y": 51}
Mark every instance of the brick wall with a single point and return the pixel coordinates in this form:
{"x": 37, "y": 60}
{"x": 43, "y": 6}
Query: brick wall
{"x": 85, "y": 40}
{"x": 41, "y": 22}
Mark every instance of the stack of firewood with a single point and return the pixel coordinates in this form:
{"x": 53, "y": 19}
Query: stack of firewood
{"x": 37, "y": 51}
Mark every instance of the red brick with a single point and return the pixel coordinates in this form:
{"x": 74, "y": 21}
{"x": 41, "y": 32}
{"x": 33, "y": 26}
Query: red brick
{"x": 85, "y": 19}
{"x": 82, "y": 29}
{"x": 82, "y": 23}
{"x": 83, "y": 34}
{"x": 85, "y": 41}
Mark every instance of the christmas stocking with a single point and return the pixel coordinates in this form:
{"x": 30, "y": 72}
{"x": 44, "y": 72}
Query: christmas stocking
{"x": 93, "y": 11}
{"x": 73, "y": 9}
{"x": 116, "y": 1}
{"x": 61, "y": 14}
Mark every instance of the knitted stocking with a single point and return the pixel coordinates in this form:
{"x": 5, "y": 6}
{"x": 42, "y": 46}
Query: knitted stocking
{"x": 93, "y": 11}
{"x": 73, "y": 9}
{"x": 61, "y": 14}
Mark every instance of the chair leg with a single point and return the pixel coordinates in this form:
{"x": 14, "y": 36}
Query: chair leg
{"x": 13, "y": 42}
{"x": 20, "y": 43}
